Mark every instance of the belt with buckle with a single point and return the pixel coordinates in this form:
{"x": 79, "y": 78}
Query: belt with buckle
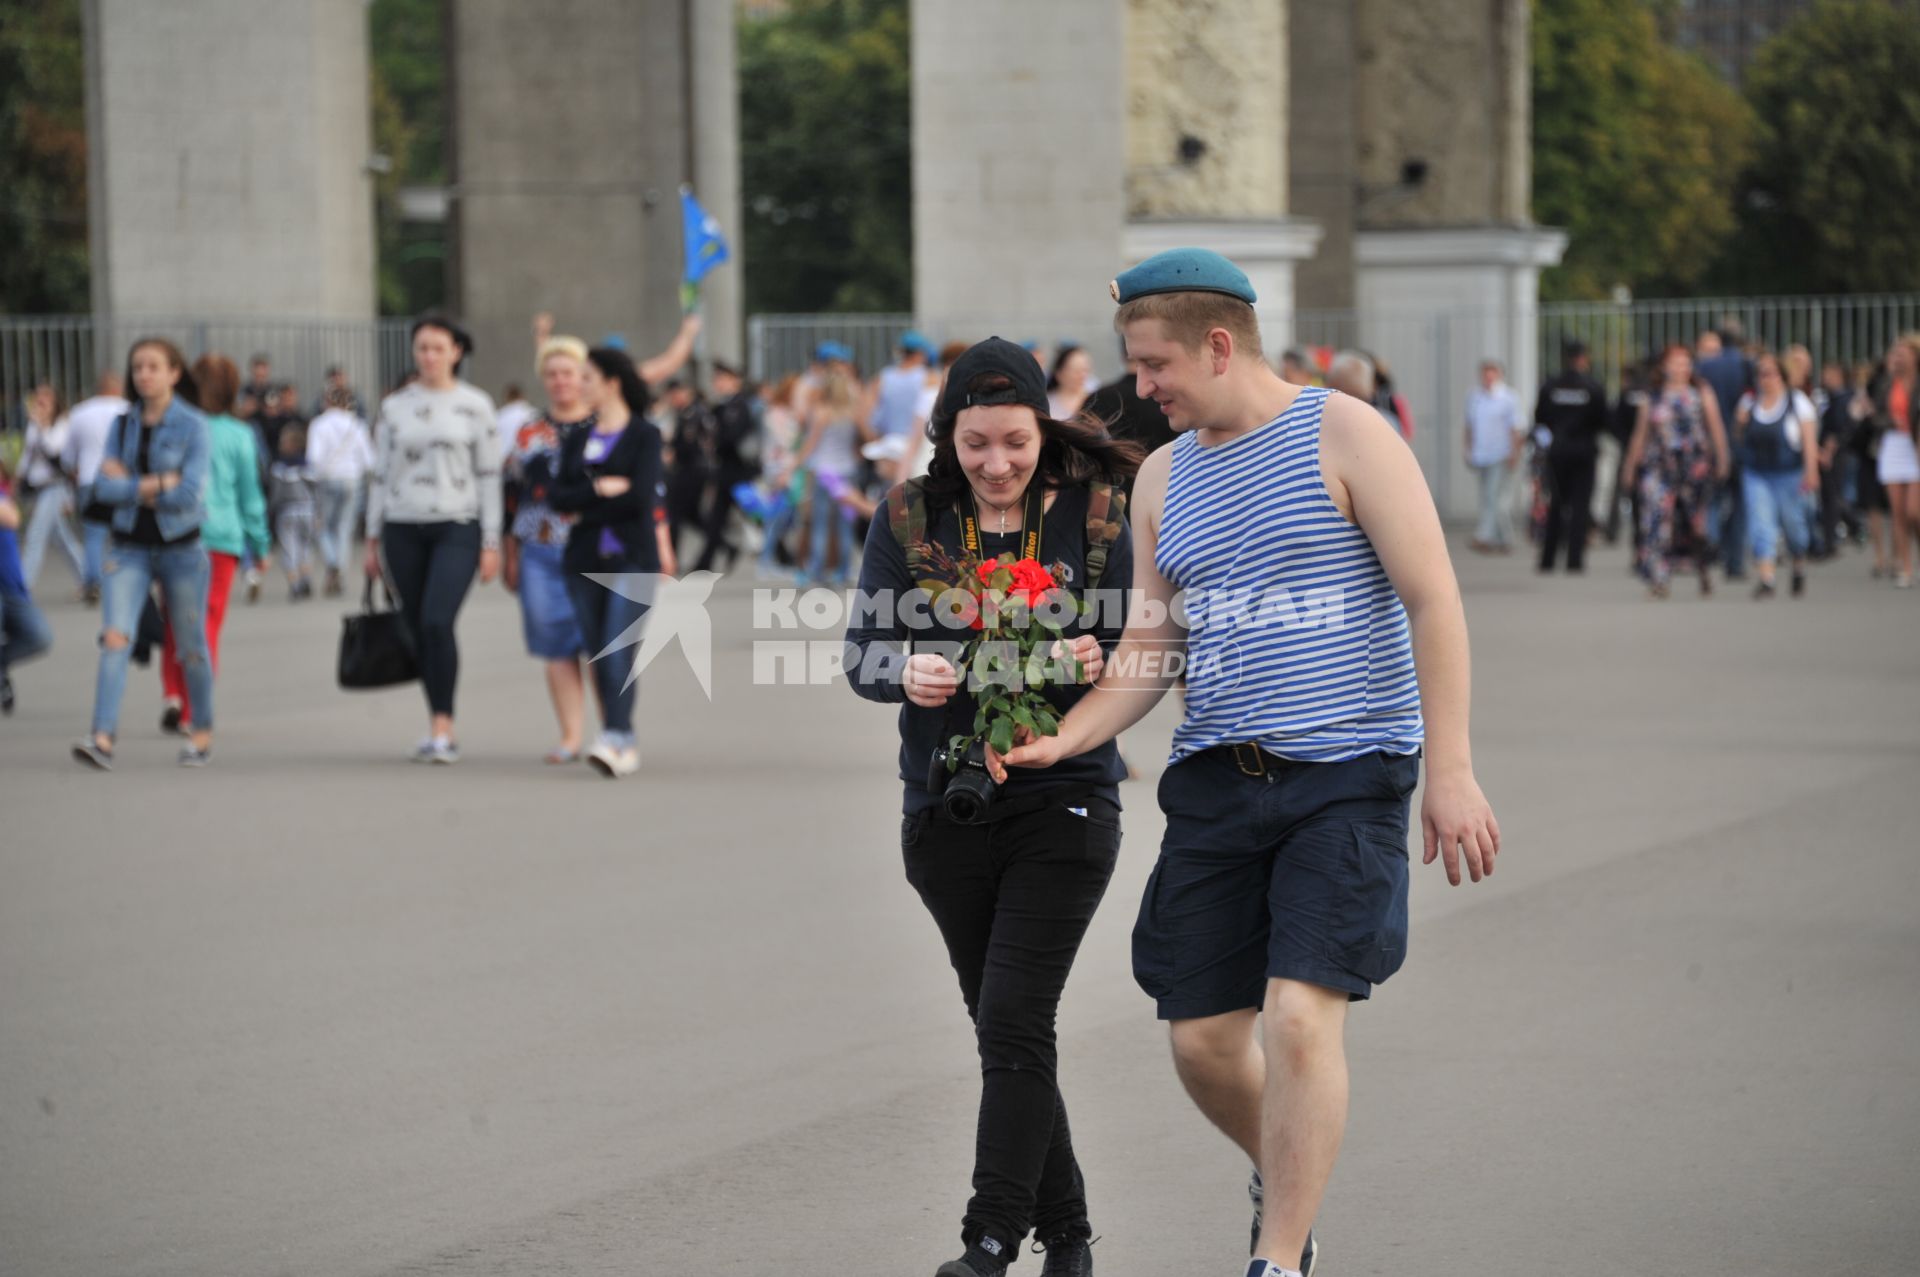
{"x": 1251, "y": 760}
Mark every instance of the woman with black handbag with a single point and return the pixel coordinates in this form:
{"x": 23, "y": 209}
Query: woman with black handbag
{"x": 607, "y": 478}
{"x": 434, "y": 512}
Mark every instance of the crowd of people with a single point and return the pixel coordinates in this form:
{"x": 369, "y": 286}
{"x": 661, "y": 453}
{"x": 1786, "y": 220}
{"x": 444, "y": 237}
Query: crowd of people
{"x": 1727, "y": 457}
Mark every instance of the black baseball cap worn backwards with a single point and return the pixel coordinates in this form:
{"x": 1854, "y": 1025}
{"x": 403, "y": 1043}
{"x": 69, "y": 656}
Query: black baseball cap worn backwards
{"x": 1027, "y": 386}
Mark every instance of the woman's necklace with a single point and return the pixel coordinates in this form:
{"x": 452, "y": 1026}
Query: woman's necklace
{"x": 1001, "y": 510}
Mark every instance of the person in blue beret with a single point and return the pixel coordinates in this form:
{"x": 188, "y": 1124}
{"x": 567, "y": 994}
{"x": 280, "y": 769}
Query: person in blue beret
{"x": 1287, "y": 542}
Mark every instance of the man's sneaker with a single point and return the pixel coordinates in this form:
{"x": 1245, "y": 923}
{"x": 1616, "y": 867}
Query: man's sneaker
{"x": 253, "y": 585}
{"x": 979, "y": 1261}
{"x": 191, "y": 755}
{"x": 93, "y": 756}
{"x": 1267, "y": 1268}
{"x": 6, "y": 695}
{"x": 436, "y": 749}
{"x": 1309, "y": 1255}
{"x": 170, "y": 719}
{"x": 1066, "y": 1257}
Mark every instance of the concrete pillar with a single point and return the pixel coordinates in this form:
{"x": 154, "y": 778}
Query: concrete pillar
{"x": 241, "y": 188}
{"x": 1447, "y": 265}
{"x": 573, "y": 128}
{"x": 1018, "y": 149}
{"x": 1321, "y": 157}
{"x": 1207, "y": 152}
{"x": 716, "y": 174}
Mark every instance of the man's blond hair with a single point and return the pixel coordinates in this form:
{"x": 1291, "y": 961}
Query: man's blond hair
{"x": 1189, "y": 317}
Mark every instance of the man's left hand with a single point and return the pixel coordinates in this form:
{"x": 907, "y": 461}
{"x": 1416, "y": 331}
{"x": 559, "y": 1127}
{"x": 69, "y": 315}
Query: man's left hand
{"x": 1457, "y": 825}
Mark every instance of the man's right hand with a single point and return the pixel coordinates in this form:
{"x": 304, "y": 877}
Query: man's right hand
{"x": 372, "y": 564}
{"x": 929, "y": 680}
{"x": 1029, "y": 750}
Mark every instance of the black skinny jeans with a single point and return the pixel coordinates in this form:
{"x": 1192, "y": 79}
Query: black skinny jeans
{"x": 431, "y": 566}
{"x": 1569, "y": 509}
{"x": 1013, "y": 900}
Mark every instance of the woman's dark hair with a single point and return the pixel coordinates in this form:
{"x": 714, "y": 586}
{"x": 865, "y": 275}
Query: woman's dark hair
{"x": 1065, "y": 353}
{"x": 185, "y": 389}
{"x": 1071, "y": 452}
{"x": 617, "y": 365}
{"x": 462, "y": 340}
{"x": 218, "y": 382}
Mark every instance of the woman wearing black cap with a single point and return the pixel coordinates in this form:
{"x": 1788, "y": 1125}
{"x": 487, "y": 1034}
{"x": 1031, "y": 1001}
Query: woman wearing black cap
{"x": 433, "y": 511}
{"x": 1013, "y": 891}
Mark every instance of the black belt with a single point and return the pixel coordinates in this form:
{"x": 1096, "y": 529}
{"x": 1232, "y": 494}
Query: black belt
{"x": 1251, "y": 760}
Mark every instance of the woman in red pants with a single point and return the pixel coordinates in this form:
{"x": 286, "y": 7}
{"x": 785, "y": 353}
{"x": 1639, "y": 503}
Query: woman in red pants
{"x": 235, "y": 524}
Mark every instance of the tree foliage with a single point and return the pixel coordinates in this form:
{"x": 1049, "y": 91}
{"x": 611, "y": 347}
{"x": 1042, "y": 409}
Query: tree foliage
{"x": 408, "y": 64}
{"x": 825, "y": 164}
{"x": 43, "y": 156}
{"x": 1831, "y": 202}
{"x": 1637, "y": 150}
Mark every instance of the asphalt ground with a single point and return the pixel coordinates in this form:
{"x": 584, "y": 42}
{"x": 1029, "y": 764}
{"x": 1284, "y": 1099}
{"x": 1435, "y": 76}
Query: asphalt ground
{"x": 315, "y": 1010}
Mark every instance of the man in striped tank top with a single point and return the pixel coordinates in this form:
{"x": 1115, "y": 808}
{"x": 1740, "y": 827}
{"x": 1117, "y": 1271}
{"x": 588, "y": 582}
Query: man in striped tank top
{"x": 1287, "y": 548}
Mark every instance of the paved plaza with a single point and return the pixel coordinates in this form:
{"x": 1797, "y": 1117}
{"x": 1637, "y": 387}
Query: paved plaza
{"x": 315, "y": 1010}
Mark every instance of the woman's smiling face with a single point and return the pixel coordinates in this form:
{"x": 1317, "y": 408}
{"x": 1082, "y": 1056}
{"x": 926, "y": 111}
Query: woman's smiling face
{"x": 998, "y": 447}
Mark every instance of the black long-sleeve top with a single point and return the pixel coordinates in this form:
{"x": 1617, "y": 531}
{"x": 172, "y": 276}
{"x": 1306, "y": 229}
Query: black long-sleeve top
{"x": 877, "y": 652}
{"x": 632, "y": 545}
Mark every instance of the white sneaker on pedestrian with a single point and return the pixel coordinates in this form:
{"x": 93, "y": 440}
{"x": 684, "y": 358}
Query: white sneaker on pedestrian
{"x": 613, "y": 761}
{"x": 436, "y": 749}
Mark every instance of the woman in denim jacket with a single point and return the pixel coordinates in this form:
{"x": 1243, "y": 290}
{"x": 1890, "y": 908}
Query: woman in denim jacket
{"x": 151, "y": 483}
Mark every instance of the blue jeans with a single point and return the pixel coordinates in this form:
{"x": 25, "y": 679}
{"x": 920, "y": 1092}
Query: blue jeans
{"x": 1775, "y": 501}
{"x": 131, "y": 571}
{"x": 829, "y": 520}
{"x": 93, "y": 537}
{"x": 337, "y": 502}
{"x": 24, "y": 632}
{"x": 51, "y": 516}
{"x": 605, "y": 616}
{"x": 1731, "y": 530}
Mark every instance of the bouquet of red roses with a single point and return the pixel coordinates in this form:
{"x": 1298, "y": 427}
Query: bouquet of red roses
{"x": 1019, "y": 611}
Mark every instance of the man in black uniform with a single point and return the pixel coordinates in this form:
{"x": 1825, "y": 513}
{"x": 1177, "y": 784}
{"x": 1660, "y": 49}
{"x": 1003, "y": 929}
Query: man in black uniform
{"x": 736, "y": 457}
{"x": 1573, "y": 410}
{"x": 690, "y": 466}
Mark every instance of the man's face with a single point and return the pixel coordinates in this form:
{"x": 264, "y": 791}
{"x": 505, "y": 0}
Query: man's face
{"x": 259, "y": 371}
{"x": 1181, "y": 381}
{"x": 679, "y": 398}
{"x": 726, "y": 385}
{"x": 1489, "y": 376}
{"x": 1291, "y": 370}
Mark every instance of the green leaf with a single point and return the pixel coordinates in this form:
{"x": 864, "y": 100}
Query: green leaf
{"x": 1001, "y": 737}
{"x": 1023, "y": 717}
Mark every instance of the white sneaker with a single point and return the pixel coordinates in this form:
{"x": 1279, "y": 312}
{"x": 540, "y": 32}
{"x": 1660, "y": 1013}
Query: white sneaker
{"x": 436, "y": 749}
{"x": 613, "y": 762}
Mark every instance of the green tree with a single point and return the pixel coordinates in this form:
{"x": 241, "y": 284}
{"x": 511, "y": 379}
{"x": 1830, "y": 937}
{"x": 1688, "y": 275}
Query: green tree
{"x": 826, "y": 171}
{"x": 1831, "y": 202}
{"x": 43, "y": 155}
{"x": 1637, "y": 150}
{"x": 409, "y": 72}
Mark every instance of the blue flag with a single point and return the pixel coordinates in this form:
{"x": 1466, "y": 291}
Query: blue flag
{"x": 706, "y": 247}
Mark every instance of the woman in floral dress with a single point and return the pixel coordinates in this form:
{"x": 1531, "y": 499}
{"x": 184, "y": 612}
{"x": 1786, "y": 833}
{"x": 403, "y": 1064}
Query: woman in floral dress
{"x": 1678, "y": 452}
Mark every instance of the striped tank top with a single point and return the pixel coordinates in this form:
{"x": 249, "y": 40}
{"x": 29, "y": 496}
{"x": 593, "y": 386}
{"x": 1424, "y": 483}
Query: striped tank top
{"x": 1296, "y": 640}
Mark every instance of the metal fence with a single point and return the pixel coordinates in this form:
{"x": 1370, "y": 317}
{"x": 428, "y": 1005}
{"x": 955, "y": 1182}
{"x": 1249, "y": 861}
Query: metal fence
{"x": 1850, "y": 330}
{"x": 71, "y": 351}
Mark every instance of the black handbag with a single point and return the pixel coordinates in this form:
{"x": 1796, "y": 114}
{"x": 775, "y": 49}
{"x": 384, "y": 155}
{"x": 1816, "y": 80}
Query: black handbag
{"x": 375, "y": 648}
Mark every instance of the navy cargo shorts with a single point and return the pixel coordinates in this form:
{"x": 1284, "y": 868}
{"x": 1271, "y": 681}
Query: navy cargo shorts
{"x": 1297, "y": 871}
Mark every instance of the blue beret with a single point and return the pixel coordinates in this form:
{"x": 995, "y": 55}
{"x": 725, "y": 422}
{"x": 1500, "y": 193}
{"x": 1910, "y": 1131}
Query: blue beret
{"x": 1183, "y": 270}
